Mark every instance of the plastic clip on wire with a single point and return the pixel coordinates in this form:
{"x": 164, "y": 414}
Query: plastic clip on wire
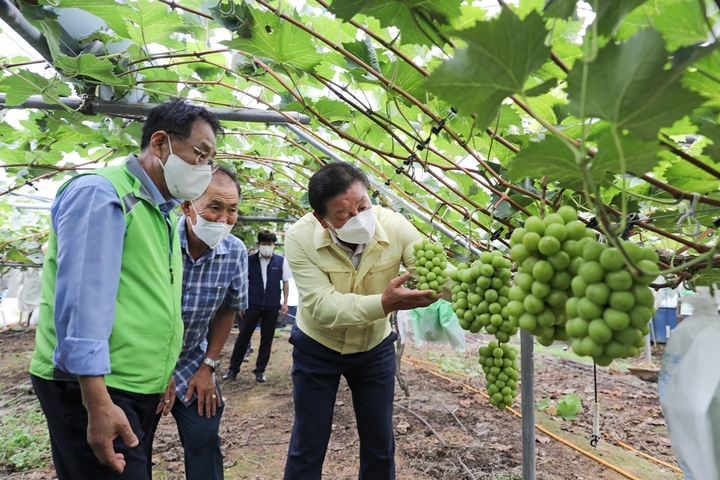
{"x": 496, "y": 234}
{"x": 593, "y": 223}
{"x": 690, "y": 215}
{"x": 632, "y": 219}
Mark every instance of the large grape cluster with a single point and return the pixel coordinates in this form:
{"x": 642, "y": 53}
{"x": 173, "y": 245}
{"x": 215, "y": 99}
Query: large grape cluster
{"x": 501, "y": 373}
{"x": 430, "y": 265}
{"x": 546, "y": 253}
{"x": 610, "y": 310}
{"x": 480, "y": 295}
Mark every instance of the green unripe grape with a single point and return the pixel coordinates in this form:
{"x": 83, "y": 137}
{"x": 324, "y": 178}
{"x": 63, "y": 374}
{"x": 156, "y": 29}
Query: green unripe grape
{"x": 528, "y": 264}
{"x": 484, "y": 282}
{"x": 553, "y": 218}
{"x": 535, "y": 224}
{"x": 640, "y": 315}
{"x": 519, "y": 252}
{"x": 571, "y": 307}
{"x": 430, "y": 276}
{"x": 649, "y": 253}
{"x": 577, "y": 327}
{"x": 612, "y": 259}
{"x": 588, "y": 310}
{"x": 614, "y": 349}
{"x": 540, "y": 289}
{"x": 576, "y": 230}
{"x": 524, "y": 281}
{"x": 531, "y": 240}
{"x": 623, "y": 301}
{"x": 517, "y": 236}
{"x": 495, "y": 283}
{"x": 542, "y": 271}
{"x": 429, "y": 254}
{"x": 418, "y": 246}
{"x": 591, "y": 272}
{"x": 650, "y": 272}
{"x": 487, "y": 271}
{"x": 546, "y": 318}
{"x": 561, "y": 280}
{"x": 527, "y": 321}
{"x": 598, "y": 293}
{"x": 643, "y": 295}
{"x": 599, "y": 331}
{"x": 548, "y": 245}
{"x": 533, "y": 304}
{"x": 570, "y": 247}
{"x": 556, "y": 298}
{"x": 632, "y": 351}
{"x": 591, "y": 348}
{"x": 616, "y": 319}
{"x": 628, "y": 336}
{"x": 633, "y": 250}
{"x": 602, "y": 360}
{"x": 560, "y": 261}
{"x": 518, "y": 294}
{"x": 579, "y": 286}
{"x": 592, "y": 250}
{"x": 567, "y": 213}
{"x": 618, "y": 281}
{"x": 493, "y": 307}
{"x": 575, "y": 265}
{"x": 486, "y": 257}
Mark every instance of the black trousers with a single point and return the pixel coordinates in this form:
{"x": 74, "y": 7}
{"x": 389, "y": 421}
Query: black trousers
{"x": 316, "y": 375}
{"x": 67, "y": 421}
{"x": 267, "y": 318}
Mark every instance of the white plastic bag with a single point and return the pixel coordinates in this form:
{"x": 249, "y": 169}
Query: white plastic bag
{"x": 689, "y": 390}
{"x": 404, "y": 323}
{"x": 438, "y": 323}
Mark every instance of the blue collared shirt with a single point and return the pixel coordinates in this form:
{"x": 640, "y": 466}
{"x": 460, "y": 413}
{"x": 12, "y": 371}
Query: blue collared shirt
{"x": 90, "y": 226}
{"x": 218, "y": 279}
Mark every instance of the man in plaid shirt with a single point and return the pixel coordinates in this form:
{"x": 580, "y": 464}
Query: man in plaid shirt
{"x": 214, "y": 289}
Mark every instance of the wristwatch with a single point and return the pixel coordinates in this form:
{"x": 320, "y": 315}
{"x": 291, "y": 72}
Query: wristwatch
{"x": 211, "y": 363}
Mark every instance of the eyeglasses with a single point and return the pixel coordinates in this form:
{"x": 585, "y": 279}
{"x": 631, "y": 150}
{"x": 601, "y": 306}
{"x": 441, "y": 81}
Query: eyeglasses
{"x": 202, "y": 157}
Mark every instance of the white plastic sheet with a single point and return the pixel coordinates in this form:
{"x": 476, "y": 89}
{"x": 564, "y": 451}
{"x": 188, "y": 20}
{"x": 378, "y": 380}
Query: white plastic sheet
{"x": 689, "y": 390}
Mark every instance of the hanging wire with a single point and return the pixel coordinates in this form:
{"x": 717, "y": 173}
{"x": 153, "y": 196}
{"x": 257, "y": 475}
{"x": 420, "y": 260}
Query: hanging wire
{"x": 595, "y": 437}
{"x": 690, "y": 216}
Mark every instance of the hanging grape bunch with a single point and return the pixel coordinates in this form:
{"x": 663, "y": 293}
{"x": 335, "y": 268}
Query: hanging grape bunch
{"x": 546, "y": 253}
{"x": 430, "y": 265}
{"x": 480, "y": 295}
{"x": 611, "y": 308}
{"x": 501, "y": 373}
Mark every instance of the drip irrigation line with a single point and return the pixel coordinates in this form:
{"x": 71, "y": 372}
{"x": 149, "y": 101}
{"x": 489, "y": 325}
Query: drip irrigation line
{"x": 415, "y": 361}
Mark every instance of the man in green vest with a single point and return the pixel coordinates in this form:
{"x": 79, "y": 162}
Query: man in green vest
{"x": 110, "y": 327}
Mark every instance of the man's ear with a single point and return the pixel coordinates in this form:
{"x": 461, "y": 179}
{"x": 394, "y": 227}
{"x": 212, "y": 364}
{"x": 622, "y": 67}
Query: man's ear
{"x": 320, "y": 219}
{"x": 157, "y": 141}
{"x": 185, "y": 207}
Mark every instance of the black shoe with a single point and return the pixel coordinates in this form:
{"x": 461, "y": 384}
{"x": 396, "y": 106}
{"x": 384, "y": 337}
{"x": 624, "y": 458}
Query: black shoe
{"x": 260, "y": 378}
{"x": 230, "y": 375}
{"x": 247, "y": 358}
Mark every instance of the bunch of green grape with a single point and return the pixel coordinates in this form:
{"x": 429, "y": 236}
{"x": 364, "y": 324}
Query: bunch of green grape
{"x": 611, "y": 308}
{"x": 501, "y": 373}
{"x": 480, "y": 295}
{"x": 430, "y": 265}
{"x": 546, "y": 253}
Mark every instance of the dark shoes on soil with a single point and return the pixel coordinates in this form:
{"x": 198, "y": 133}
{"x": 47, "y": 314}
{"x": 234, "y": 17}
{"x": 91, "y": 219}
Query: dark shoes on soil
{"x": 260, "y": 378}
{"x": 230, "y": 375}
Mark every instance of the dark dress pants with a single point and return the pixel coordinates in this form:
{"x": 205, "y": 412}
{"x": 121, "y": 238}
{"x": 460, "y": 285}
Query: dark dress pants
{"x": 316, "y": 375}
{"x": 67, "y": 420}
{"x": 267, "y": 318}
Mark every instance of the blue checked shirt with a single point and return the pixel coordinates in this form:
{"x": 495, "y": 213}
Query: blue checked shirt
{"x": 217, "y": 279}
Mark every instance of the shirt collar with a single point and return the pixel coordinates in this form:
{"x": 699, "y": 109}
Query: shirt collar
{"x": 220, "y": 249}
{"x": 148, "y": 189}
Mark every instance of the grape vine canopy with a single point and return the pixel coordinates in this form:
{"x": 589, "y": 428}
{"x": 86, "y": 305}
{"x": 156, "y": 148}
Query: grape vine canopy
{"x": 478, "y": 114}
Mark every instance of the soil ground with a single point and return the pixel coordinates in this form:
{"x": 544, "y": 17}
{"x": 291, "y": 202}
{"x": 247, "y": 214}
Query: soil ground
{"x": 444, "y": 429}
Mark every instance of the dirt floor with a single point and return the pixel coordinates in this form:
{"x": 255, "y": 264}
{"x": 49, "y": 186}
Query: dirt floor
{"x": 445, "y": 429}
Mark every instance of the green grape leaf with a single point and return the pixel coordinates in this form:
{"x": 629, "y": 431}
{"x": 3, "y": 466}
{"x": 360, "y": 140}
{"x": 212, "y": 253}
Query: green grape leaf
{"x": 705, "y": 79}
{"x": 500, "y": 56}
{"x": 279, "y": 40}
{"x": 24, "y": 83}
{"x": 568, "y": 407}
{"x": 89, "y": 65}
{"x": 628, "y": 86}
{"x": 549, "y": 157}
{"x": 333, "y": 109}
{"x": 112, "y": 13}
{"x": 559, "y": 8}
{"x": 416, "y": 19}
{"x": 681, "y": 22}
{"x": 687, "y": 177}
{"x": 640, "y": 157}
{"x": 610, "y": 14}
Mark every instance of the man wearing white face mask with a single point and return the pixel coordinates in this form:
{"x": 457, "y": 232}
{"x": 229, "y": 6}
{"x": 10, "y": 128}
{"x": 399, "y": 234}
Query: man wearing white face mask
{"x": 110, "y": 327}
{"x": 214, "y": 289}
{"x": 345, "y": 257}
{"x": 266, "y": 272}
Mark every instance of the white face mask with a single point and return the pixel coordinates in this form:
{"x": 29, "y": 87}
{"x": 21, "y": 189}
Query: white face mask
{"x": 212, "y": 233}
{"x": 266, "y": 250}
{"x": 185, "y": 181}
{"x": 359, "y": 229}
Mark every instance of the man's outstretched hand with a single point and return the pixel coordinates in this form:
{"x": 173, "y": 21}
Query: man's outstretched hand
{"x": 397, "y": 297}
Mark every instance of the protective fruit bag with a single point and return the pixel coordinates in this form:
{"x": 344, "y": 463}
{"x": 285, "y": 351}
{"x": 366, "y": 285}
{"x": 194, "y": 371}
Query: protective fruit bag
{"x": 438, "y": 323}
{"x": 689, "y": 390}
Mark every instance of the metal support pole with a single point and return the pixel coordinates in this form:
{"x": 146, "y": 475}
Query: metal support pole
{"x": 93, "y": 107}
{"x": 266, "y": 219}
{"x": 15, "y": 20}
{"x": 527, "y": 379}
{"x": 385, "y": 191}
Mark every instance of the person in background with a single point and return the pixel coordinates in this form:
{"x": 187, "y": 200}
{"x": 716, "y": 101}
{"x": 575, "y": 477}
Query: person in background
{"x": 214, "y": 289}
{"x": 110, "y": 328}
{"x": 266, "y": 272}
{"x": 345, "y": 257}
